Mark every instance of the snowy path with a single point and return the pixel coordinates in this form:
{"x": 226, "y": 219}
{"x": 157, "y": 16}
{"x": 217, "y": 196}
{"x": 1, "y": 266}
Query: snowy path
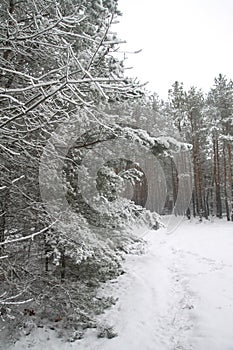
{"x": 178, "y": 296}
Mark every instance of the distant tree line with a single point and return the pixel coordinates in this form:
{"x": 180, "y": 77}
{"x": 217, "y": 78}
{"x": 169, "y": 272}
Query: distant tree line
{"x": 205, "y": 122}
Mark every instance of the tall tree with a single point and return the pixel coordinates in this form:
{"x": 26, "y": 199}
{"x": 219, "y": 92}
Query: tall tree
{"x": 57, "y": 67}
{"x": 220, "y": 100}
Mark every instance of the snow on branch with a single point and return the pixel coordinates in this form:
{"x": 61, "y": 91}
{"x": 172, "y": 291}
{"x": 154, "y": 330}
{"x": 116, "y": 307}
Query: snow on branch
{"x": 32, "y": 236}
{"x": 8, "y": 300}
{"x": 12, "y": 182}
{"x": 9, "y": 151}
{"x": 4, "y": 257}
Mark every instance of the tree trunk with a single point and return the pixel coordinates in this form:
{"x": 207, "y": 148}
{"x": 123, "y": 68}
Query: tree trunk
{"x": 225, "y": 182}
{"x": 194, "y": 206}
{"x": 3, "y": 213}
{"x": 230, "y": 177}
{"x": 174, "y": 182}
{"x": 63, "y": 267}
{"x": 217, "y": 178}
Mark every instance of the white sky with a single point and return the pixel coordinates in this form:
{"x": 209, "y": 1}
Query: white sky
{"x": 185, "y": 40}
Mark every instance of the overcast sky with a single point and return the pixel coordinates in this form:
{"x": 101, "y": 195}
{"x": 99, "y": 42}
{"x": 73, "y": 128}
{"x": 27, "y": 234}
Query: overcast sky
{"x": 185, "y": 40}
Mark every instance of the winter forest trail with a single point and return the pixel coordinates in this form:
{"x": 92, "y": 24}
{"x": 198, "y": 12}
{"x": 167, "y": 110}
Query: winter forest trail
{"x": 176, "y": 296}
{"x": 179, "y": 295}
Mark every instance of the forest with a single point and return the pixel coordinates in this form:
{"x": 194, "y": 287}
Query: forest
{"x": 86, "y": 154}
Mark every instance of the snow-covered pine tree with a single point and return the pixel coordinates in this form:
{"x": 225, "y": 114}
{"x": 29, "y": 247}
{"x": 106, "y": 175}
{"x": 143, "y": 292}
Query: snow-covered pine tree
{"x": 57, "y": 66}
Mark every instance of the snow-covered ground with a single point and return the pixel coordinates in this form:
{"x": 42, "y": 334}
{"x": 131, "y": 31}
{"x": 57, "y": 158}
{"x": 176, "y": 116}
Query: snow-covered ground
{"x": 179, "y": 295}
